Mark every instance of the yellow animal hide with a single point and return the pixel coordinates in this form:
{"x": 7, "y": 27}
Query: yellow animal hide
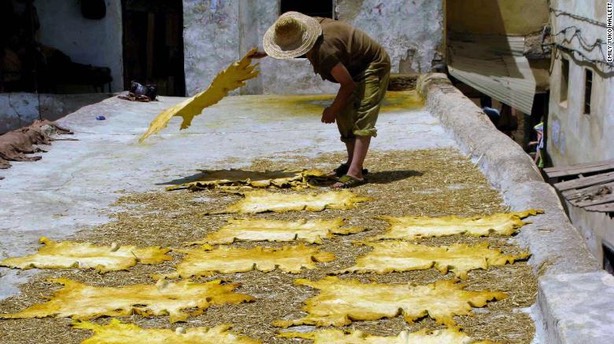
{"x": 311, "y": 231}
{"x": 388, "y": 256}
{"x": 228, "y": 260}
{"x": 63, "y": 255}
{"x": 413, "y": 227}
{"x": 241, "y": 180}
{"x": 83, "y": 302}
{"x": 117, "y": 332}
{"x": 445, "y": 336}
{"x": 234, "y": 76}
{"x": 342, "y": 301}
{"x": 261, "y": 201}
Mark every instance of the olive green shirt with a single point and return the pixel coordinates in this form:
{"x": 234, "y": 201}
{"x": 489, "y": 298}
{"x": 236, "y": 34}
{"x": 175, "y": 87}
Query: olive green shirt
{"x": 340, "y": 42}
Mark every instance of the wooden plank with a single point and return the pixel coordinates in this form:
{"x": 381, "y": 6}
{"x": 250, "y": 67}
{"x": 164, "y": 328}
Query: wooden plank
{"x": 602, "y": 208}
{"x": 574, "y": 194}
{"x": 595, "y": 201}
{"x": 585, "y": 182}
{"x": 592, "y": 167}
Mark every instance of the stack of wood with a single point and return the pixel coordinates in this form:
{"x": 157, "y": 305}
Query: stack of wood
{"x": 589, "y": 186}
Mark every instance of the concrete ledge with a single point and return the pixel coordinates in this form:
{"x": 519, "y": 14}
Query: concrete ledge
{"x": 578, "y": 308}
{"x": 557, "y": 247}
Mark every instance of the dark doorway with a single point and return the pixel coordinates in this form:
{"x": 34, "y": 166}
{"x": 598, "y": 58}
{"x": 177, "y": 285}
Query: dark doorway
{"x": 316, "y": 8}
{"x": 153, "y": 44}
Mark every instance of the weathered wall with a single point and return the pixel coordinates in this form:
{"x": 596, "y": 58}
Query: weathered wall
{"x": 573, "y": 136}
{"x": 411, "y": 31}
{"x": 86, "y": 41}
{"x": 518, "y": 17}
{"x": 218, "y": 32}
{"x": 22, "y": 109}
{"x": 595, "y": 228}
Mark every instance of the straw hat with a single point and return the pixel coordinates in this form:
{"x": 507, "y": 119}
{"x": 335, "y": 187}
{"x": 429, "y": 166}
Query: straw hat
{"x": 292, "y": 35}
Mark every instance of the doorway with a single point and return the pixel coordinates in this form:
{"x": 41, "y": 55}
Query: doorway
{"x": 317, "y": 8}
{"x": 153, "y": 44}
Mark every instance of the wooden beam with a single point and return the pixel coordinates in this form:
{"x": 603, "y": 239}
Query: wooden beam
{"x": 592, "y": 167}
{"x": 602, "y": 208}
{"x": 595, "y": 201}
{"x": 586, "y": 192}
{"x": 585, "y": 182}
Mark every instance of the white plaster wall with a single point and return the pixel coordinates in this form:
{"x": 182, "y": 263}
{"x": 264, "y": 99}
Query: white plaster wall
{"x": 218, "y": 32}
{"x": 595, "y": 228}
{"x": 86, "y": 41}
{"x": 410, "y": 31}
{"x": 211, "y": 40}
{"x": 575, "y": 137}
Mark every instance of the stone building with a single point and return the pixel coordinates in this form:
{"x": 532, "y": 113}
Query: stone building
{"x": 580, "y": 126}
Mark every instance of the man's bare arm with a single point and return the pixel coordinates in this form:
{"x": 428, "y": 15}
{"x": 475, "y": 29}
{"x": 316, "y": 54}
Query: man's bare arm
{"x": 347, "y": 86}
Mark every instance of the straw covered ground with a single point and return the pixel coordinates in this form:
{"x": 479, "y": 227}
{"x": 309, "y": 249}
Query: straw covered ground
{"x": 424, "y": 183}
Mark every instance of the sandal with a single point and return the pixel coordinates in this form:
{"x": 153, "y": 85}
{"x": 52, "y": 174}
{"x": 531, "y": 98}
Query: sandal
{"x": 343, "y": 169}
{"x": 347, "y": 181}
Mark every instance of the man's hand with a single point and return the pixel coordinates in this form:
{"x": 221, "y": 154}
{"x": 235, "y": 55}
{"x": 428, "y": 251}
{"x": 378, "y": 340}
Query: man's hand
{"x": 328, "y": 116}
{"x": 257, "y": 55}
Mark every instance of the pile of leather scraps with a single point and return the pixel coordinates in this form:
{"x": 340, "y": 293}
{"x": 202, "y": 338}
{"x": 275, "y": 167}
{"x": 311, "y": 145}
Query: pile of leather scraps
{"x": 140, "y": 93}
{"x": 15, "y": 144}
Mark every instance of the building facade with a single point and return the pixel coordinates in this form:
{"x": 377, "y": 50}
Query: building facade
{"x": 580, "y": 126}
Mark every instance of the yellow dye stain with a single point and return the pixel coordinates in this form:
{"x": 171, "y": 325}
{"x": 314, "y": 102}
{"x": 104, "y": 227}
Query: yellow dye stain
{"x": 393, "y": 101}
{"x": 425, "y": 336}
{"x": 269, "y": 107}
{"x": 83, "y": 302}
{"x": 413, "y": 227}
{"x": 225, "y": 259}
{"x": 342, "y": 301}
{"x": 234, "y": 76}
{"x": 389, "y": 256}
{"x": 117, "y": 332}
{"x": 64, "y": 255}
{"x": 402, "y": 101}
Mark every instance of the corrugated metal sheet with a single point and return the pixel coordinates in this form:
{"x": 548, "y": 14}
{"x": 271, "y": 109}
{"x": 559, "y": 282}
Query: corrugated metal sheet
{"x": 494, "y": 66}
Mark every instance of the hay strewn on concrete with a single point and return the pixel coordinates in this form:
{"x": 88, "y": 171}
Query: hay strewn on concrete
{"x": 424, "y": 183}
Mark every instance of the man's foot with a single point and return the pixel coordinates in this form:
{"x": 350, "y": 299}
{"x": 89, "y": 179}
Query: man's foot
{"x": 343, "y": 169}
{"x": 347, "y": 181}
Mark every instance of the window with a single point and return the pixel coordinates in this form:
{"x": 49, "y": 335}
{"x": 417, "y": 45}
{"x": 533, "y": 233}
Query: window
{"x": 315, "y": 8}
{"x": 588, "y": 90}
{"x": 564, "y": 81}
